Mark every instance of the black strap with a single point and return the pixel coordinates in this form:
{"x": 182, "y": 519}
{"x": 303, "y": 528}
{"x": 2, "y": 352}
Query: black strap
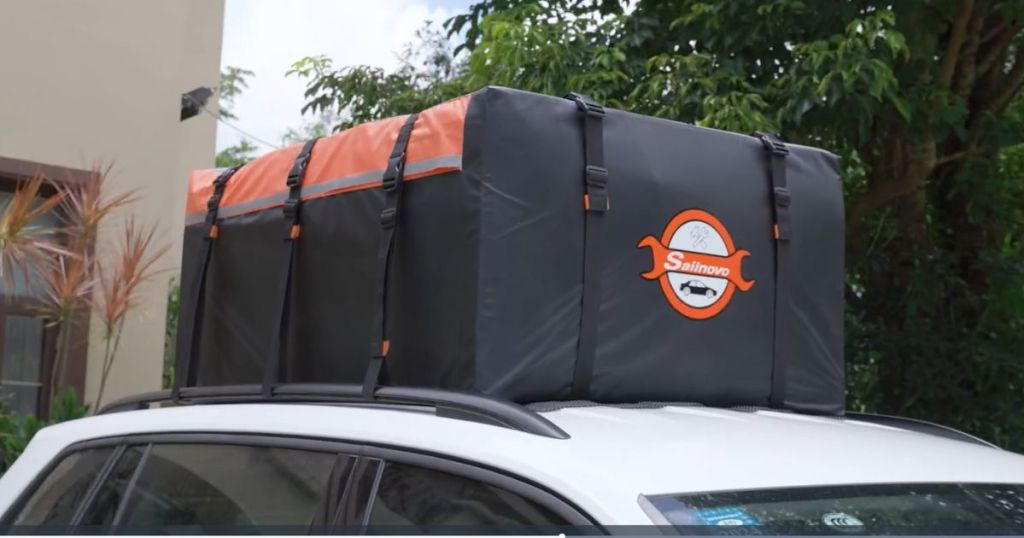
{"x": 782, "y": 232}
{"x": 185, "y": 371}
{"x": 595, "y": 204}
{"x": 392, "y": 185}
{"x": 273, "y": 370}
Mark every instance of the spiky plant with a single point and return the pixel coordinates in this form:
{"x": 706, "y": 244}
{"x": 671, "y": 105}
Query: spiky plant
{"x": 27, "y": 249}
{"x": 69, "y": 281}
{"x": 119, "y": 288}
{"x": 66, "y": 289}
{"x": 86, "y": 204}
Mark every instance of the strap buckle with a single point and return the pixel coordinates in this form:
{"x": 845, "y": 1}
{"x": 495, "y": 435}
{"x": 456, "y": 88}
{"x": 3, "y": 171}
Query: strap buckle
{"x": 210, "y": 223}
{"x": 596, "y": 198}
{"x": 585, "y": 104}
{"x": 393, "y": 171}
{"x": 295, "y": 174}
{"x": 290, "y": 207}
{"x": 214, "y": 202}
{"x": 388, "y": 217}
{"x": 782, "y": 196}
{"x": 596, "y": 176}
{"x": 222, "y": 179}
{"x": 772, "y": 144}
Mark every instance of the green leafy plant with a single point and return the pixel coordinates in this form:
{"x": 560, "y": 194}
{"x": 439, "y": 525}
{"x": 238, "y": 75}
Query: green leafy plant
{"x": 171, "y": 331}
{"x": 17, "y": 430}
{"x": 921, "y": 99}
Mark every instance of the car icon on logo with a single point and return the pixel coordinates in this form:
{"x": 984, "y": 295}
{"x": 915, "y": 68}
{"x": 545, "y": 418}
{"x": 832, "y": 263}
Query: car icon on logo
{"x": 695, "y": 287}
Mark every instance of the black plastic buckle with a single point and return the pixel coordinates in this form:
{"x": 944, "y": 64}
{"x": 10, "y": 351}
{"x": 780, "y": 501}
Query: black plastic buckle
{"x": 222, "y": 179}
{"x": 388, "y": 217}
{"x": 596, "y": 176}
{"x": 585, "y": 104}
{"x": 782, "y": 196}
{"x": 295, "y": 174}
{"x": 214, "y": 202}
{"x": 290, "y": 207}
{"x": 393, "y": 171}
{"x": 772, "y": 144}
{"x": 597, "y": 189}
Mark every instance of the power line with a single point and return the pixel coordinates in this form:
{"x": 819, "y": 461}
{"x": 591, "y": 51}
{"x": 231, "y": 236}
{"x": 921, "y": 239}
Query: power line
{"x": 237, "y": 129}
{"x": 220, "y": 118}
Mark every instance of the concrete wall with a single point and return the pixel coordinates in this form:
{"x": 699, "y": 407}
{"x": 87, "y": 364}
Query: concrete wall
{"x": 100, "y": 80}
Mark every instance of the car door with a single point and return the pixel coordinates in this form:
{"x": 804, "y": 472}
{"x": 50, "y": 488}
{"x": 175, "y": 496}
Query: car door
{"x": 248, "y": 483}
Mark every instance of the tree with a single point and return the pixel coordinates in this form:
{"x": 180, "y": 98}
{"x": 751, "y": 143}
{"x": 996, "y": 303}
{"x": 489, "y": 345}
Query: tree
{"x": 236, "y": 155}
{"x": 429, "y": 73}
{"x": 322, "y": 126}
{"x": 921, "y": 99}
{"x": 232, "y": 81}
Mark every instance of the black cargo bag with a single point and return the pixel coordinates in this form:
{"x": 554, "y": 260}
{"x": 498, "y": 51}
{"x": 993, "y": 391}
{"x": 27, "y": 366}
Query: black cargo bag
{"x": 526, "y": 247}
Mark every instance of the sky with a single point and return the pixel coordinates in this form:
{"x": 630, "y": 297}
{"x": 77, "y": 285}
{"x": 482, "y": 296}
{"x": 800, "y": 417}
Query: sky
{"x": 267, "y": 36}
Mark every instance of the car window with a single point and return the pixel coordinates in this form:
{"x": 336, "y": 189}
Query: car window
{"x": 408, "y": 495}
{"x": 56, "y": 500}
{"x": 228, "y": 485}
{"x": 104, "y": 504}
{"x": 364, "y": 478}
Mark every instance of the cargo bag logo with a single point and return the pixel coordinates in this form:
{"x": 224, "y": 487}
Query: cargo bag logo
{"x": 697, "y": 264}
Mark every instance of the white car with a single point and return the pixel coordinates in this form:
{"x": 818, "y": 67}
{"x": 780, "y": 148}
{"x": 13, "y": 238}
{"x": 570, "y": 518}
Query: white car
{"x": 319, "y": 459}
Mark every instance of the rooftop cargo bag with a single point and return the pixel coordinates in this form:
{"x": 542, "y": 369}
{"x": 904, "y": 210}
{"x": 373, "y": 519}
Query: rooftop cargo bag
{"x": 526, "y": 247}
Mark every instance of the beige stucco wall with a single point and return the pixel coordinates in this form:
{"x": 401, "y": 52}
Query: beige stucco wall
{"x": 101, "y": 80}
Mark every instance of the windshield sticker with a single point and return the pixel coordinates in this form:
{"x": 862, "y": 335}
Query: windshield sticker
{"x": 725, "y": 516}
{"x": 842, "y": 522}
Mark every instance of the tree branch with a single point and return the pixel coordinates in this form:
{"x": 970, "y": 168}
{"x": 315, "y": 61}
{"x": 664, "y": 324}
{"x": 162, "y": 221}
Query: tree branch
{"x": 956, "y": 41}
{"x": 956, "y": 156}
{"x": 994, "y": 31}
{"x": 966, "y": 71}
{"x": 994, "y": 54}
{"x": 1012, "y": 83}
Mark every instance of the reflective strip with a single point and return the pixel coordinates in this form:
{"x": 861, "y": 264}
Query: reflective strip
{"x": 369, "y": 180}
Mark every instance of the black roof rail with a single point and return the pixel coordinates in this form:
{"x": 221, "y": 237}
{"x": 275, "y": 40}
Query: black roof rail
{"x": 918, "y": 425}
{"x": 446, "y": 403}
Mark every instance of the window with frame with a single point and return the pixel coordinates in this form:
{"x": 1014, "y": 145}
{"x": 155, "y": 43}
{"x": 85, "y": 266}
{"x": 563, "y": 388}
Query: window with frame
{"x": 412, "y": 496}
{"x": 25, "y": 335}
{"x": 27, "y": 339}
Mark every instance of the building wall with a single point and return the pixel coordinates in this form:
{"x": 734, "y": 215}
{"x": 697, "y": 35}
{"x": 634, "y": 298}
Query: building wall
{"x": 87, "y": 81}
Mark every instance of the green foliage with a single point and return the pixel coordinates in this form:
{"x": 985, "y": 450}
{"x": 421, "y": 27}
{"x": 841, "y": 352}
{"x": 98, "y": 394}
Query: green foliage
{"x": 232, "y": 81}
{"x": 920, "y": 98}
{"x": 357, "y": 94}
{"x": 320, "y": 127}
{"x": 171, "y": 331}
{"x": 236, "y": 155}
{"x": 17, "y": 430}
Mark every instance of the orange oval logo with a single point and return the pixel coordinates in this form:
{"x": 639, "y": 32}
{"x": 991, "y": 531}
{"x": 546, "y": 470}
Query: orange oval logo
{"x": 697, "y": 264}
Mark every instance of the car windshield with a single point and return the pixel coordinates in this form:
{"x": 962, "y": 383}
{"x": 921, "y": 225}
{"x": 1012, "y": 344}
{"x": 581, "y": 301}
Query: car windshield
{"x": 882, "y": 509}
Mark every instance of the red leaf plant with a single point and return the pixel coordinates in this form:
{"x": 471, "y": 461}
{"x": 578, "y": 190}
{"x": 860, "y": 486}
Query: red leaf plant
{"x": 119, "y": 288}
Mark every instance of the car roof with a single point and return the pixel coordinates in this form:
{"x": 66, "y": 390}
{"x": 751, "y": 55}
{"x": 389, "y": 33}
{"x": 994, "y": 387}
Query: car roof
{"x": 613, "y": 454}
